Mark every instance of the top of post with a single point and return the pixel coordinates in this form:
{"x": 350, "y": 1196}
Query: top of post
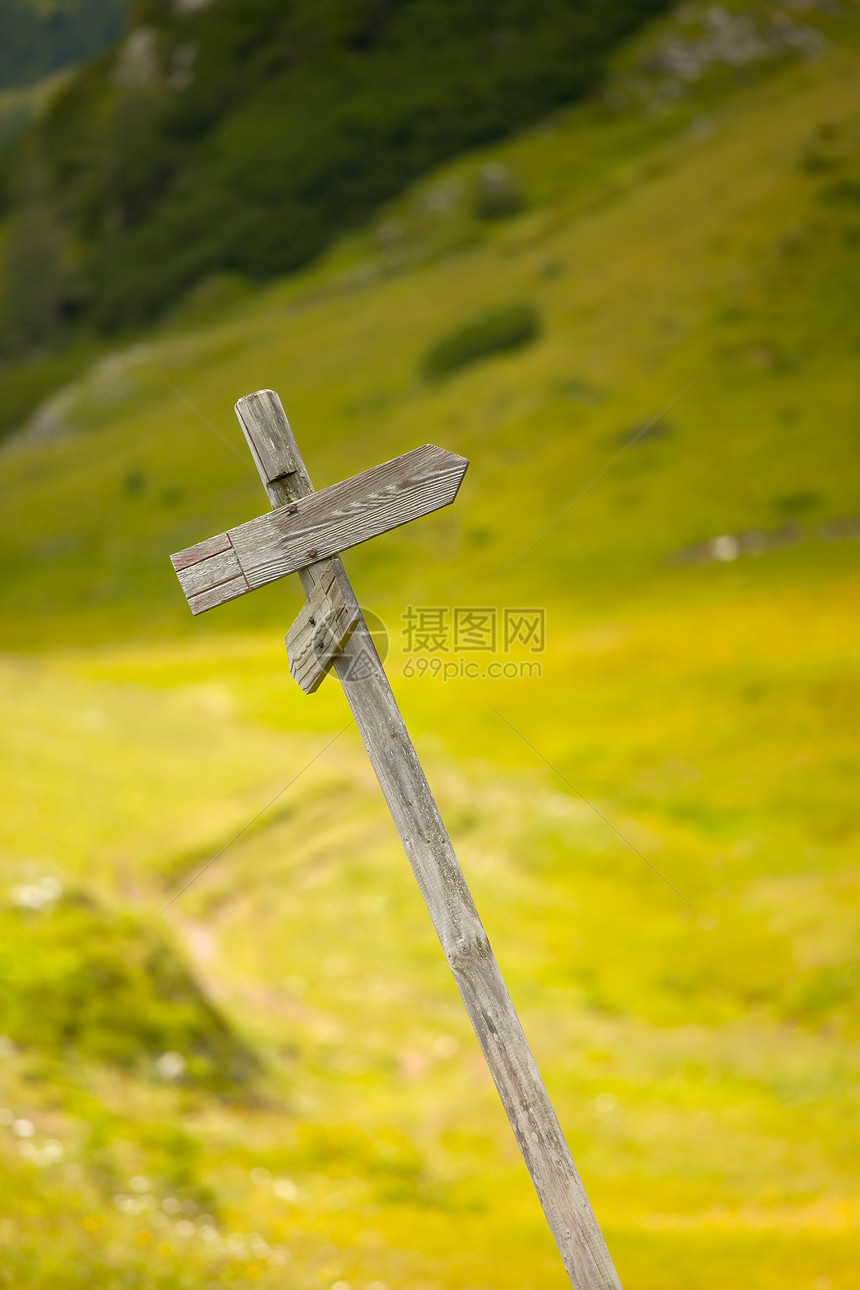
{"x": 273, "y": 447}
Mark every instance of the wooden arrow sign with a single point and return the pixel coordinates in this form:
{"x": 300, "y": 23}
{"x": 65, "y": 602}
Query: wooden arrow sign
{"x": 318, "y": 526}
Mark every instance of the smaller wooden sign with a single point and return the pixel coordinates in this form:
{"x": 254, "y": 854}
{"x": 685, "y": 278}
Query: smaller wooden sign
{"x": 322, "y": 628}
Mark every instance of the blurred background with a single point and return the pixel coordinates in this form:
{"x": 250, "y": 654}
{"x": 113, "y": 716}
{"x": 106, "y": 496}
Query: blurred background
{"x": 608, "y": 250}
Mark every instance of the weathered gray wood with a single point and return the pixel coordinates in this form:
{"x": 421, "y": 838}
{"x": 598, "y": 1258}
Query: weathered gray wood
{"x": 450, "y": 904}
{"x": 218, "y": 595}
{"x": 325, "y": 523}
{"x": 345, "y": 514}
{"x": 210, "y": 573}
{"x": 321, "y": 629}
{"x": 201, "y": 551}
{"x": 271, "y": 449}
{"x": 262, "y": 417}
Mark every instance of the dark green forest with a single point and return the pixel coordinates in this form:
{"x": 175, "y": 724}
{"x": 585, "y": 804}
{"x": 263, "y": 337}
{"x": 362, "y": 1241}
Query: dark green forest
{"x": 243, "y": 135}
{"x": 38, "y": 37}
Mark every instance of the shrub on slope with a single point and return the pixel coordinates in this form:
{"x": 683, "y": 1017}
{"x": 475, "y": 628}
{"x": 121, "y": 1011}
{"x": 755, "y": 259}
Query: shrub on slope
{"x": 81, "y": 979}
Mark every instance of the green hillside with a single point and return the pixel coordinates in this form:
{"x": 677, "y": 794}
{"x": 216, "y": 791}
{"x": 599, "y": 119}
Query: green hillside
{"x": 650, "y": 361}
{"x": 243, "y": 135}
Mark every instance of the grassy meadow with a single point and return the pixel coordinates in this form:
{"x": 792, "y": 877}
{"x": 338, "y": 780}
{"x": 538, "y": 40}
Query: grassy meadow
{"x": 267, "y": 1078}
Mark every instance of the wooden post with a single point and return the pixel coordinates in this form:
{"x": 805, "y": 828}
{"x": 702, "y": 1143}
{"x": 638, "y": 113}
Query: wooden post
{"x": 431, "y": 855}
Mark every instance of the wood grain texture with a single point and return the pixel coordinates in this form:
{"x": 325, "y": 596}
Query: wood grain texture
{"x": 201, "y": 551}
{"x": 323, "y": 524}
{"x": 270, "y": 446}
{"x": 262, "y": 419}
{"x": 455, "y": 918}
{"x": 226, "y": 591}
{"x": 210, "y": 573}
{"x": 320, "y": 631}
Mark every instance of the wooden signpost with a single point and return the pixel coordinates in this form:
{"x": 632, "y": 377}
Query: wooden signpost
{"x": 304, "y": 534}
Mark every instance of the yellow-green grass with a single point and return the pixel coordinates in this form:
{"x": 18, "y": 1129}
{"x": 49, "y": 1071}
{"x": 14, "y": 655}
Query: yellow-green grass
{"x": 702, "y": 1047}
